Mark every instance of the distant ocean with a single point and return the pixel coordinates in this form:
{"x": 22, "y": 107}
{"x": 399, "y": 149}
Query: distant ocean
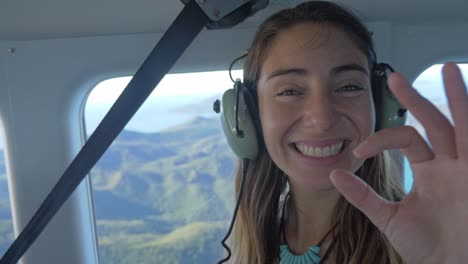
{"x": 157, "y": 114}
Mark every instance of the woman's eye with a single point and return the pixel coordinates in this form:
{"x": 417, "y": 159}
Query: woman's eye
{"x": 350, "y": 88}
{"x": 288, "y": 92}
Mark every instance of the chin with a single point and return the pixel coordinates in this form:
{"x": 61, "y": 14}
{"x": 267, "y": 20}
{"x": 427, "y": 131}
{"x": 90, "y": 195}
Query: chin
{"x": 312, "y": 181}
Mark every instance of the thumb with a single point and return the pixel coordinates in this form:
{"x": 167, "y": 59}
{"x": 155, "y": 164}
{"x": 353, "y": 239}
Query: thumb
{"x": 363, "y": 197}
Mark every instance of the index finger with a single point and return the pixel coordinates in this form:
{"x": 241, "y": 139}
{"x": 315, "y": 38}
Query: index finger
{"x": 438, "y": 128}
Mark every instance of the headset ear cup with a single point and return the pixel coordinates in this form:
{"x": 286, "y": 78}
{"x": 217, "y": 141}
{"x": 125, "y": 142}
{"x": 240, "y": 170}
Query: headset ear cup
{"x": 251, "y": 101}
{"x": 389, "y": 112}
{"x": 245, "y": 146}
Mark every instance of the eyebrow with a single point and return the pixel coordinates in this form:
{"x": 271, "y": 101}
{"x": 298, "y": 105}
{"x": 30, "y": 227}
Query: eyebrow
{"x": 334, "y": 71}
{"x": 349, "y": 67}
{"x": 294, "y": 71}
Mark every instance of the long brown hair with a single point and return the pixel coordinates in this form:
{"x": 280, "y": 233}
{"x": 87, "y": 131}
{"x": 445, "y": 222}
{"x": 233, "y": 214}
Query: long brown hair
{"x": 257, "y": 231}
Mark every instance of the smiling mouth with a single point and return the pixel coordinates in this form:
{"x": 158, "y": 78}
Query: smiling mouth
{"x": 320, "y": 152}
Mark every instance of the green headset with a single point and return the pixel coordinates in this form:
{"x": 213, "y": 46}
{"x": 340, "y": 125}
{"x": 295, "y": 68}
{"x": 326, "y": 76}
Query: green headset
{"x": 241, "y": 122}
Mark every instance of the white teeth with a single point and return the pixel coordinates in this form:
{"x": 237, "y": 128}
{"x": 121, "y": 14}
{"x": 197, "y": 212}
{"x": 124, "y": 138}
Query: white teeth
{"x": 320, "y": 152}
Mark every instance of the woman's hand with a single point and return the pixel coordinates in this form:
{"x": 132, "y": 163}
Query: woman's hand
{"x": 430, "y": 225}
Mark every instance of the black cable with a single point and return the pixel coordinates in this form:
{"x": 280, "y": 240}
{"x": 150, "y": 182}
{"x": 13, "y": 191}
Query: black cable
{"x": 232, "y": 64}
{"x": 388, "y": 67}
{"x": 237, "y": 86}
{"x": 328, "y": 251}
{"x": 245, "y": 165}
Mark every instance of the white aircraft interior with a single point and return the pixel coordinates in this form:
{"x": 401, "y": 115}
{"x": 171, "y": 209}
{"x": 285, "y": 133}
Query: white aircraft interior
{"x": 53, "y": 54}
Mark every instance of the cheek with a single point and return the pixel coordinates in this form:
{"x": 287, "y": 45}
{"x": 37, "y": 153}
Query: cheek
{"x": 274, "y": 122}
{"x": 367, "y": 120}
{"x": 364, "y": 116}
{"x": 269, "y": 122}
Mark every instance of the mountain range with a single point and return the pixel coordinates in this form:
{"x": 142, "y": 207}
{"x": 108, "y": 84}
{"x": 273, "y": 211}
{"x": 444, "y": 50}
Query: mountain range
{"x": 161, "y": 197}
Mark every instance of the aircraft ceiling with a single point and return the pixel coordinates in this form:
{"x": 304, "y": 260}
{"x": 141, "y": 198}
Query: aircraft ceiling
{"x": 28, "y": 19}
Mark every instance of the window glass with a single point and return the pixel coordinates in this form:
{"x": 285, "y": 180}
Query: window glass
{"x": 163, "y": 191}
{"x": 430, "y": 85}
{"x": 6, "y": 226}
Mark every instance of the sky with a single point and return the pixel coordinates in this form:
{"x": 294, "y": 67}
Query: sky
{"x": 429, "y": 83}
{"x": 182, "y": 84}
{"x": 163, "y": 108}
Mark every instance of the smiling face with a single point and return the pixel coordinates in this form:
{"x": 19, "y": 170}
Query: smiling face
{"x": 315, "y": 102}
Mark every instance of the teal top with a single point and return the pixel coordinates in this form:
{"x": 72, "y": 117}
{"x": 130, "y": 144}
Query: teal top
{"x": 310, "y": 256}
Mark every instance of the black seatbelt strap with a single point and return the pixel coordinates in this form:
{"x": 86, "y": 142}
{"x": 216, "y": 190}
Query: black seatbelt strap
{"x": 173, "y": 43}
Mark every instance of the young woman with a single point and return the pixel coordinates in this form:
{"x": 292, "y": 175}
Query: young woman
{"x": 320, "y": 186}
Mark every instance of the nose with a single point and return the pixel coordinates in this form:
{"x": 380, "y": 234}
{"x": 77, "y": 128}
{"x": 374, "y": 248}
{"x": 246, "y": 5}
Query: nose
{"x": 319, "y": 113}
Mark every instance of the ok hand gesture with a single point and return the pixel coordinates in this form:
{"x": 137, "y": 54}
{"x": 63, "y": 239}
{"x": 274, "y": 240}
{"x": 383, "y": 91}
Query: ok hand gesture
{"x": 430, "y": 225}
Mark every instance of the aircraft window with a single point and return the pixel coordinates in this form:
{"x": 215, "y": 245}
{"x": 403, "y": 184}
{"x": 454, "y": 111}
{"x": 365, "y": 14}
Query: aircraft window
{"x": 163, "y": 192}
{"x": 6, "y": 225}
{"x": 430, "y": 85}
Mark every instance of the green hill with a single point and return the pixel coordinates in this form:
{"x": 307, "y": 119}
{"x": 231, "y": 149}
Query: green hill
{"x": 163, "y": 197}
{"x": 194, "y": 243}
{"x": 177, "y": 173}
{"x": 159, "y": 197}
